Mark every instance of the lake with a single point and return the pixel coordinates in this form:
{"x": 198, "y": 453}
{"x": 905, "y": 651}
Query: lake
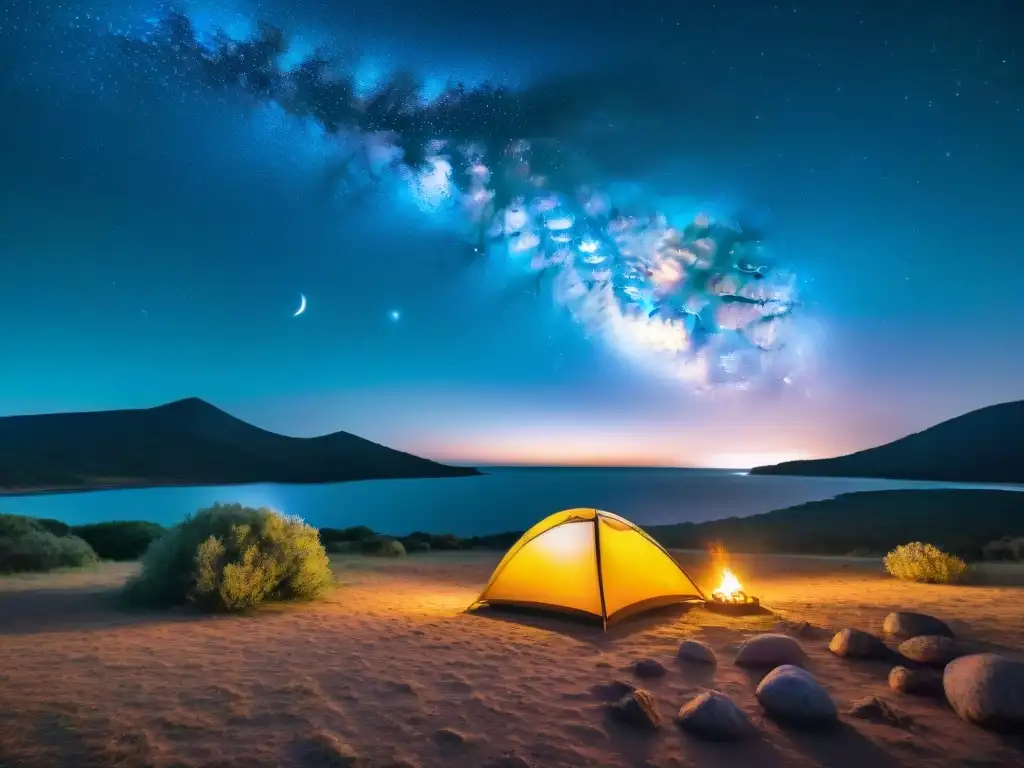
{"x": 505, "y": 499}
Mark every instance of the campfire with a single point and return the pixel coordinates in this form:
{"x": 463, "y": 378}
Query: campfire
{"x": 730, "y": 597}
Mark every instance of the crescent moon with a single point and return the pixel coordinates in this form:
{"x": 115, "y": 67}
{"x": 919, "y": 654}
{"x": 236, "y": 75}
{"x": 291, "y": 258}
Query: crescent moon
{"x": 302, "y": 305}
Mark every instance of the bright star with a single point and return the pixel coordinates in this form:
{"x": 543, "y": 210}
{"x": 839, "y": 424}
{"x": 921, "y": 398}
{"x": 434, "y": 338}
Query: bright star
{"x": 395, "y": 315}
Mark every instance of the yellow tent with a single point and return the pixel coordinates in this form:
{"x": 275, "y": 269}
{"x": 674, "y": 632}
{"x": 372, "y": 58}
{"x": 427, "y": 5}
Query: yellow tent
{"x": 591, "y": 562}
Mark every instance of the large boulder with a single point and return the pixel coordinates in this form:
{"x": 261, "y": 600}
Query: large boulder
{"x": 921, "y": 682}
{"x": 934, "y": 650}
{"x": 714, "y": 716}
{"x": 905, "y": 624}
{"x": 697, "y": 652}
{"x": 770, "y": 650}
{"x": 637, "y": 708}
{"x": 855, "y": 644}
{"x": 790, "y": 694}
{"x": 988, "y": 690}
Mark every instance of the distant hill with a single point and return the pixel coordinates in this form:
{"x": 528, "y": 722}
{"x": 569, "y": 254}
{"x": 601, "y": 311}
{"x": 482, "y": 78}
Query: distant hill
{"x": 187, "y": 442}
{"x": 866, "y": 522}
{"x": 983, "y": 446}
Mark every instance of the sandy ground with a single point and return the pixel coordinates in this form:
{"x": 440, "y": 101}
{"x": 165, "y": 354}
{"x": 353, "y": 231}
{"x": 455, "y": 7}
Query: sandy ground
{"x": 390, "y": 668}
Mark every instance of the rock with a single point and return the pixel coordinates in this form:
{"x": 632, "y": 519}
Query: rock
{"x": 637, "y": 708}
{"x": 509, "y": 761}
{"x": 922, "y": 682}
{"x": 697, "y": 652}
{"x": 937, "y": 650}
{"x": 770, "y": 650}
{"x": 879, "y": 711}
{"x": 714, "y": 716}
{"x": 450, "y": 737}
{"x": 612, "y": 691}
{"x": 792, "y": 695}
{"x": 988, "y": 690}
{"x": 855, "y": 644}
{"x": 328, "y": 749}
{"x": 902, "y": 624}
{"x": 648, "y": 668}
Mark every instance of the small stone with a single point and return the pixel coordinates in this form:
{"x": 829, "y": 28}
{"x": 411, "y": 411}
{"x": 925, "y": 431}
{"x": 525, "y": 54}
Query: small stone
{"x": 855, "y": 644}
{"x": 770, "y": 650}
{"x": 648, "y": 668}
{"x": 791, "y": 694}
{"x": 921, "y": 682}
{"x": 697, "y": 652}
{"x": 450, "y": 737}
{"x": 612, "y": 691}
{"x": 936, "y": 650}
{"x": 988, "y": 690}
{"x": 879, "y": 711}
{"x": 509, "y": 761}
{"x": 329, "y": 749}
{"x": 904, "y": 624}
{"x": 637, "y": 708}
{"x": 714, "y": 716}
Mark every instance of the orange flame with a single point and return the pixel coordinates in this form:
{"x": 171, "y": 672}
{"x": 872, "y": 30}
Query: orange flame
{"x": 729, "y": 586}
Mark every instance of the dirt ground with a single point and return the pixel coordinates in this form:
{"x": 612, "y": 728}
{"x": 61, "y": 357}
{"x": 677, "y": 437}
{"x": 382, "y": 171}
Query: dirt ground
{"x": 389, "y": 670}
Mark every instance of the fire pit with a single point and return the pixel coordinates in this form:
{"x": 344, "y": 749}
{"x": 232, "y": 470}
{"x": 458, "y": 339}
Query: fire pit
{"x": 729, "y": 597}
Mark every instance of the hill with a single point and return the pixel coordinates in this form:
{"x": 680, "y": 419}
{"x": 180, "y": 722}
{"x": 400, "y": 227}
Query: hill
{"x": 983, "y": 446}
{"x": 867, "y": 522}
{"x": 186, "y": 442}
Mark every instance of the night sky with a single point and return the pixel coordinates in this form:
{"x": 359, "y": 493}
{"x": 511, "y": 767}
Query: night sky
{"x": 156, "y": 232}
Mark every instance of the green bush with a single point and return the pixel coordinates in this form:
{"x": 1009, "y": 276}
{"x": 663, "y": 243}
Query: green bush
{"x": 40, "y": 550}
{"x": 382, "y": 546}
{"x": 923, "y": 562}
{"x": 121, "y": 540}
{"x": 355, "y": 533}
{"x": 230, "y": 557}
{"x": 413, "y": 546}
{"x": 1006, "y": 548}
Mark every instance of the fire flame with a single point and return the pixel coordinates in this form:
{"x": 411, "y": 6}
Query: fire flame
{"x": 730, "y": 584}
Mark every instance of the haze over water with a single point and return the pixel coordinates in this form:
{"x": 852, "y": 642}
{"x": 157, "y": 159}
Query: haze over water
{"x": 505, "y": 499}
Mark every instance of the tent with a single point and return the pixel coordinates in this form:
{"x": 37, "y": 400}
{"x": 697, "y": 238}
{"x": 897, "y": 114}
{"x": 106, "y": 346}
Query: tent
{"x": 590, "y": 562}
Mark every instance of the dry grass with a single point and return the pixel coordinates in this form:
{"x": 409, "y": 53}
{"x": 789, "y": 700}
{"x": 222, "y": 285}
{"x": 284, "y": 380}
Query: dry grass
{"x": 389, "y": 668}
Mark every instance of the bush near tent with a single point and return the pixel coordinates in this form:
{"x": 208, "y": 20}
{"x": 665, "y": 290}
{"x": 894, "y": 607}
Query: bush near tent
{"x": 230, "y": 557}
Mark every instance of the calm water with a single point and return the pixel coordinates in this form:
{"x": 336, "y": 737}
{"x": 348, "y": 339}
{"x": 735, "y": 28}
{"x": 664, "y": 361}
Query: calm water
{"x": 505, "y": 499}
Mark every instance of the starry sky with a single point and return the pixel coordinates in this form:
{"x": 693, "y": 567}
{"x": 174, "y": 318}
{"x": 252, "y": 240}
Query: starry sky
{"x": 156, "y": 234}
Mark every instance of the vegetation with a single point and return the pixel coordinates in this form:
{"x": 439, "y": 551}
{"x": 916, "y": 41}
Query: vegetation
{"x": 230, "y": 557}
{"x": 120, "y": 540}
{"x": 923, "y": 562}
{"x": 961, "y": 522}
{"x": 1006, "y": 548}
{"x": 362, "y": 540}
{"x": 27, "y": 545}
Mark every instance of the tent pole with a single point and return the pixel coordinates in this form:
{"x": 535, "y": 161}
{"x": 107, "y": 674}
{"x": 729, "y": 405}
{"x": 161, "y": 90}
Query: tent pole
{"x": 600, "y": 576}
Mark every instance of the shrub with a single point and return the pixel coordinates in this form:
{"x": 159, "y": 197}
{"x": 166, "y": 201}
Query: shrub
{"x": 230, "y": 557}
{"x": 355, "y": 533}
{"x": 1006, "y": 548}
{"x": 924, "y": 562}
{"x": 341, "y": 547}
{"x": 415, "y": 545}
{"x": 40, "y": 550}
{"x": 122, "y": 540}
{"x": 382, "y": 546}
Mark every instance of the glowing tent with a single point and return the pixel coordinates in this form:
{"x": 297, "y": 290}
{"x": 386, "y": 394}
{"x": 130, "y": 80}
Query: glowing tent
{"x": 591, "y": 562}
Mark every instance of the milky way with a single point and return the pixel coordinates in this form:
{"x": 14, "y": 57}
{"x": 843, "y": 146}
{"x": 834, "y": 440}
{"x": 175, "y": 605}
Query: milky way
{"x": 696, "y": 299}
